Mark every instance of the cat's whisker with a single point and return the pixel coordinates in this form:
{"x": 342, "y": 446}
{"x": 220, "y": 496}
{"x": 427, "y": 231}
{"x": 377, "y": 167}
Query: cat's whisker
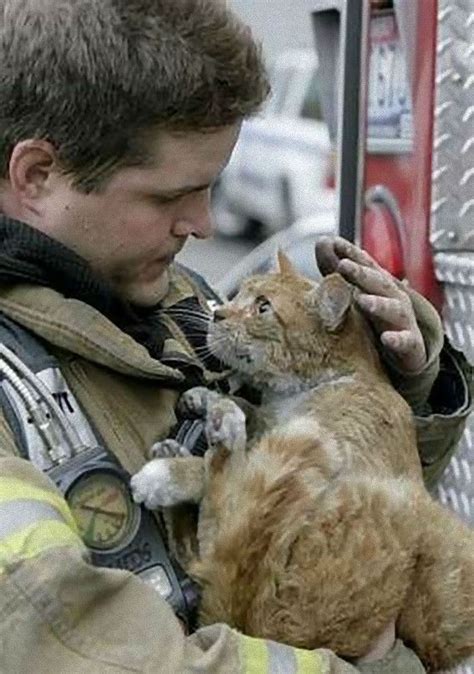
{"x": 186, "y": 313}
{"x": 204, "y": 351}
{"x": 220, "y": 342}
{"x": 200, "y": 333}
{"x": 202, "y": 347}
{"x": 206, "y": 357}
{"x": 181, "y": 308}
{"x": 191, "y": 319}
{"x": 202, "y": 325}
{"x": 221, "y": 346}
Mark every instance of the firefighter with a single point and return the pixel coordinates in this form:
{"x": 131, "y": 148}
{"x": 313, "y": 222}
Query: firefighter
{"x": 117, "y": 117}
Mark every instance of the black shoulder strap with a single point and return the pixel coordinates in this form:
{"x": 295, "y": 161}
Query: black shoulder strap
{"x": 29, "y": 348}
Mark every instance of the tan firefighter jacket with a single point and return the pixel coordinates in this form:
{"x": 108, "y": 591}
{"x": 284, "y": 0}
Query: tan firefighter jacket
{"x": 60, "y": 614}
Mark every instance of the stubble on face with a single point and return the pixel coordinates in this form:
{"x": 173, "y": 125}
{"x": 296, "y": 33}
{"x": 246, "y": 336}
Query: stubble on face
{"x": 140, "y": 291}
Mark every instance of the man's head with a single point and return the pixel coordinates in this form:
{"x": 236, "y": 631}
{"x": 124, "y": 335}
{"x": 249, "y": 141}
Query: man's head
{"x": 115, "y": 119}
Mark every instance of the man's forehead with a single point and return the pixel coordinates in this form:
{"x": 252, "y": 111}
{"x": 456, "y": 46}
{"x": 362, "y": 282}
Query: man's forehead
{"x": 188, "y": 161}
{"x": 209, "y": 145}
{"x": 180, "y": 163}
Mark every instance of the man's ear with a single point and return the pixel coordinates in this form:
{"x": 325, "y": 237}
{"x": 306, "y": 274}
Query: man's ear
{"x": 31, "y": 164}
{"x": 284, "y": 264}
{"x": 333, "y": 299}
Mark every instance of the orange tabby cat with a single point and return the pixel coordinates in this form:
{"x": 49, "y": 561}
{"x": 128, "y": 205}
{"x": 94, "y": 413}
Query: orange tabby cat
{"x": 316, "y": 531}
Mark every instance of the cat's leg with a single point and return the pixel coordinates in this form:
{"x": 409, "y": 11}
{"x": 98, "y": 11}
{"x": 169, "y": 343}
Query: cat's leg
{"x": 225, "y": 427}
{"x": 227, "y": 438}
{"x": 439, "y": 615}
{"x": 167, "y": 449}
{"x": 173, "y": 481}
{"x": 196, "y": 401}
{"x": 172, "y": 478}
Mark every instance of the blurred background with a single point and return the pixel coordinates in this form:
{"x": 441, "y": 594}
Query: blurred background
{"x": 282, "y": 169}
{"x": 279, "y": 24}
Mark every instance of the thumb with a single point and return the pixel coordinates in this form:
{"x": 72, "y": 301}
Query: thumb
{"x": 326, "y": 257}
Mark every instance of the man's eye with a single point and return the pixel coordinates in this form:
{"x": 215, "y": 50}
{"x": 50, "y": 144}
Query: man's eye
{"x": 163, "y": 200}
{"x": 263, "y": 305}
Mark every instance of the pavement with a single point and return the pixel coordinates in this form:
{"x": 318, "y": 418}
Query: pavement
{"x": 213, "y": 258}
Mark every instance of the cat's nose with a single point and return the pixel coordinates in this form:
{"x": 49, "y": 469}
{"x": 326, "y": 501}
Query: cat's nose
{"x": 219, "y": 315}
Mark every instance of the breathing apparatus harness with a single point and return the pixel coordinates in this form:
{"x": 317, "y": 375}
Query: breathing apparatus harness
{"x": 118, "y": 532}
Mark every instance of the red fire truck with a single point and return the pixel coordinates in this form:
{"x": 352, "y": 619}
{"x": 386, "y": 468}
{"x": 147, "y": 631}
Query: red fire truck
{"x": 405, "y": 149}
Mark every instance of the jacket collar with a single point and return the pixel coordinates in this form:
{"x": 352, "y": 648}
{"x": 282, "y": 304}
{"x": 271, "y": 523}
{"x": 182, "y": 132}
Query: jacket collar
{"x": 50, "y": 290}
{"x": 80, "y": 329}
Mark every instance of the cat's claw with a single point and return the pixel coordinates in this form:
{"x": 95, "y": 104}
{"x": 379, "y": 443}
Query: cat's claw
{"x": 168, "y": 449}
{"x": 196, "y": 401}
{"x": 154, "y": 487}
{"x": 225, "y": 426}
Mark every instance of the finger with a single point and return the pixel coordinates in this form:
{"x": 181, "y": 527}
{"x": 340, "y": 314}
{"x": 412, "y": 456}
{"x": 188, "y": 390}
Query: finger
{"x": 345, "y": 249}
{"x": 403, "y": 342}
{"x": 387, "y": 309}
{"x": 326, "y": 258}
{"x": 371, "y": 281}
{"x": 408, "y": 349}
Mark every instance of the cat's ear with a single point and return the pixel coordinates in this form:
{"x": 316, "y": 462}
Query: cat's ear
{"x": 333, "y": 300}
{"x": 284, "y": 264}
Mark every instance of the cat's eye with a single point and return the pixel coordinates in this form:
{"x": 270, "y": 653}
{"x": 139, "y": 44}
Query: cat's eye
{"x": 263, "y": 305}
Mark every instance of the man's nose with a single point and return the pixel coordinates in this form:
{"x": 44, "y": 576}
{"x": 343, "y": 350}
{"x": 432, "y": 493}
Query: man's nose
{"x": 200, "y": 228}
{"x": 196, "y": 220}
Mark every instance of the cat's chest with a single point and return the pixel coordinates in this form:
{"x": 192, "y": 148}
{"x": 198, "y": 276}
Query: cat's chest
{"x": 279, "y": 411}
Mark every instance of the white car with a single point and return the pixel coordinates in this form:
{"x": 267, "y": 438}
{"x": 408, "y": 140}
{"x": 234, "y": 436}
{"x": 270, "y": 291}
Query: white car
{"x": 281, "y": 168}
{"x": 297, "y": 242}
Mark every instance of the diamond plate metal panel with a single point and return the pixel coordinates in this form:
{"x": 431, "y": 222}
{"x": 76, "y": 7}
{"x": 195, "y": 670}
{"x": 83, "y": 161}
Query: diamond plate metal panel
{"x": 456, "y": 489}
{"x": 453, "y": 165}
{"x": 456, "y": 272}
{"x": 452, "y": 221}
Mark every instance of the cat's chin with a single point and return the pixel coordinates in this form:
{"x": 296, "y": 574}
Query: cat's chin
{"x": 285, "y": 385}
{"x": 270, "y": 384}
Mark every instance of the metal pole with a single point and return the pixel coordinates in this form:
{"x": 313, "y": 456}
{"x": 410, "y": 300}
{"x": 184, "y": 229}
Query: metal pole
{"x": 352, "y": 113}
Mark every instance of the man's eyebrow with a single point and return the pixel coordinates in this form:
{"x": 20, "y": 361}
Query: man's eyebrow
{"x": 181, "y": 191}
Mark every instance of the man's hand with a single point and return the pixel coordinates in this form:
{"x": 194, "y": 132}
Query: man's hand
{"x": 383, "y": 301}
{"x": 381, "y": 647}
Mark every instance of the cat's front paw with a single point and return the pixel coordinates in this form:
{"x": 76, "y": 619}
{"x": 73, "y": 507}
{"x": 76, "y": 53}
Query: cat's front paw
{"x": 196, "y": 401}
{"x": 225, "y": 426}
{"x": 168, "y": 449}
{"x": 154, "y": 486}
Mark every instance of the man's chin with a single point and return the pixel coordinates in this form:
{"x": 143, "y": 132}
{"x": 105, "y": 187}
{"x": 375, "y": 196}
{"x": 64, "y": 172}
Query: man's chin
{"x": 144, "y": 294}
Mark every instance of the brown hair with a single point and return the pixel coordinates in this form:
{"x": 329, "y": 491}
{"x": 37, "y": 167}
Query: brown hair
{"x": 91, "y": 76}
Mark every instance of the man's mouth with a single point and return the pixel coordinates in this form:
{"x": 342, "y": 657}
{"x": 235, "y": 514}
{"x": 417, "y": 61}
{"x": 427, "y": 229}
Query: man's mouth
{"x": 155, "y": 268}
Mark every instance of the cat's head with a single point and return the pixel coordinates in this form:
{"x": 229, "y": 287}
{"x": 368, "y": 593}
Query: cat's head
{"x": 285, "y": 331}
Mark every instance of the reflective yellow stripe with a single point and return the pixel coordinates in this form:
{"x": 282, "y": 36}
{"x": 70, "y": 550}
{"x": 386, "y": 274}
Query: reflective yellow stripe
{"x": 37, "y": 539}
{"x": 309, "y": 662}
{"x": 254, "y": 655}
{"x": 262, "y": 657}
{"x": 12, "y": 489}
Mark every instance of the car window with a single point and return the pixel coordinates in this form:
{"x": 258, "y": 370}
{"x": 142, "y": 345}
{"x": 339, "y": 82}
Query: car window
{"x": 312, "y": 102}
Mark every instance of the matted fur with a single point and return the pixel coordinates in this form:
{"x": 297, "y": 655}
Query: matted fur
{"x": 321, "y": 532}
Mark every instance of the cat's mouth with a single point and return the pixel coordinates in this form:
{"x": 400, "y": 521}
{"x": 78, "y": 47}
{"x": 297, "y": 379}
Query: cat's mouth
{"x": 228, "y": 352}
{"x": 234, "y": 357}
{"x": 243, "y": 355}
